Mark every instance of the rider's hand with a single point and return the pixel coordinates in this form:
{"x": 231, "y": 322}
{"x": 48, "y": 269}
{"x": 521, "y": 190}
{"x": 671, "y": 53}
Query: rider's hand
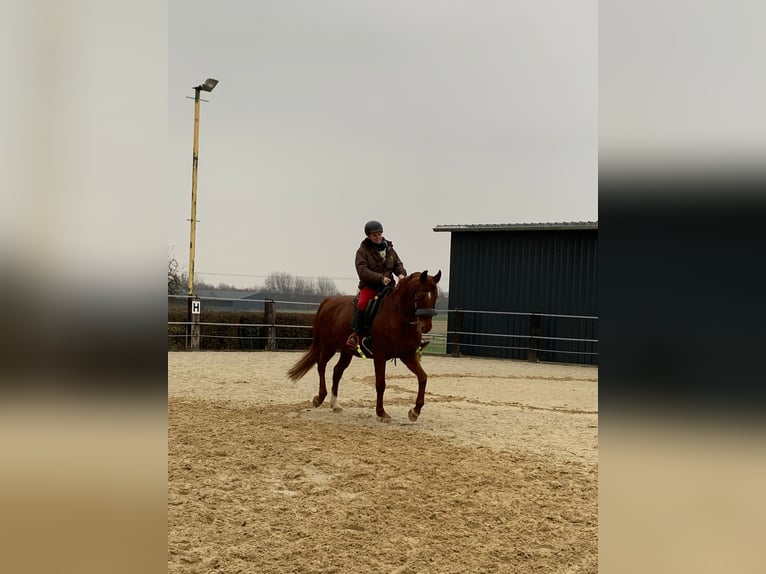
{"x": 386, "y": 280}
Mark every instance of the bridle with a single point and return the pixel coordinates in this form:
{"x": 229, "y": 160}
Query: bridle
{"x": 421, "y": 312}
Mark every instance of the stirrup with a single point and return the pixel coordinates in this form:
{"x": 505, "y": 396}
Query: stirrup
{"x": 352, "y": 342}
{"x": 366, "y": 344}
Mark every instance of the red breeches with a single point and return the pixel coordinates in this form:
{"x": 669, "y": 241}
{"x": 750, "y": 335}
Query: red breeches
{"x": 364, "y": 296}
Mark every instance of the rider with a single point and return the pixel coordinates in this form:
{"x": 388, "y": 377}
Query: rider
{"x": 376, "y": 262}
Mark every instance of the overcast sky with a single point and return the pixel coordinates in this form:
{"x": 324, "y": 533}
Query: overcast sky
{"x": 414, "y": 113}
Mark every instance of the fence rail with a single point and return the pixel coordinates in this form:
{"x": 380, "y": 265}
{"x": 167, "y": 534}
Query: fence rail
{"x": 455, "y": 339}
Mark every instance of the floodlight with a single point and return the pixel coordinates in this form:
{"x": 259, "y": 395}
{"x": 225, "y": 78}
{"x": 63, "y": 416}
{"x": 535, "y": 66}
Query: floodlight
{"x": 208, "y": 86}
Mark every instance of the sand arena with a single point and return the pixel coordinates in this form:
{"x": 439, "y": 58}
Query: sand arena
{"x": 499, "y": 474}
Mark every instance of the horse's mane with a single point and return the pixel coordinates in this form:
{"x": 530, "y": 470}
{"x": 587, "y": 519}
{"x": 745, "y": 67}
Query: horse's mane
{"x": 406, "y": 286}
{"x": 403, "y": 296}
{"x": 409, "y": 281}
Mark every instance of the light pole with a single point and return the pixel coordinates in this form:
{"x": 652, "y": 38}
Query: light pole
{"x": 193, "y": 311}
{"x": 208, "y": 86}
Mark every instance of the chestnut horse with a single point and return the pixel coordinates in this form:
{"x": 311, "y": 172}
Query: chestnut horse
{"x": 403, "y": 316}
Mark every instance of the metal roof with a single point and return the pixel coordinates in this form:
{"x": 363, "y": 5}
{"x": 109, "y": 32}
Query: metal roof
{"x": 557, "y": 226}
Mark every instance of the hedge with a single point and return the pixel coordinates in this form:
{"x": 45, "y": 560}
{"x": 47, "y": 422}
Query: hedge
{"x": 243, "y": 331}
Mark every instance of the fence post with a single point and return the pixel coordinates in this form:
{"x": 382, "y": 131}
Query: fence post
{"x": 270, "y": 318}
{"x": 534, "y": 342}
{"x": 193, "y": 305}
{"x": 456, "y": 336}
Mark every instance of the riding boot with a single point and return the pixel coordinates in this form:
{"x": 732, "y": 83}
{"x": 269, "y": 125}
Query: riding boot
{"x": 353, "y": 340}
{"x": 365, "y": 335}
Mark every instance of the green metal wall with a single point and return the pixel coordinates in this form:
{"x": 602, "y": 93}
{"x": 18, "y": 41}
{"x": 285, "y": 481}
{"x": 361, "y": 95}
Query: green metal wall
{"x": 525, "y": 271}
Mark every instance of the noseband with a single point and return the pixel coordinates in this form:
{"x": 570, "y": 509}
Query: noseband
{"x": 429, "y": 312}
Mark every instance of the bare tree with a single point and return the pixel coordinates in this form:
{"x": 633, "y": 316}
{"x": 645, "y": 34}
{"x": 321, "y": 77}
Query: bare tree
{"x": 283, "y": 284}
{"x": 176, "y": 279}
{"x": 279, "y": 282}
{"x": 442, "y": 303}
{"x": 304, "y": 288}
{"x": 326, "y": 287}
{"x": 201, "y": 283}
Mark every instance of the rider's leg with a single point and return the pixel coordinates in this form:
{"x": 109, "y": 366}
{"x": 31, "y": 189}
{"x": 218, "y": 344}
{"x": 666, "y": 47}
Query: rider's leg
{"x": 357, "y": 327}
{"x": 353, "y": 340}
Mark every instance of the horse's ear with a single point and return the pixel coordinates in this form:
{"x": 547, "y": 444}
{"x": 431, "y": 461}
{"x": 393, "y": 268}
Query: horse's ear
{"x": 424, "y": 276}
{"x": 438, "y": 276}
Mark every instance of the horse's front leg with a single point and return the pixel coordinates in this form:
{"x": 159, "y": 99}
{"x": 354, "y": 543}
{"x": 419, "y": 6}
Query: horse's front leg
{"x": 380, "y": 388}
{"x": 413, "y": 364}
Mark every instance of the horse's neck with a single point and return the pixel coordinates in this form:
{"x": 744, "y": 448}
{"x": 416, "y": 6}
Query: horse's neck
{"x": 396, "y": 299}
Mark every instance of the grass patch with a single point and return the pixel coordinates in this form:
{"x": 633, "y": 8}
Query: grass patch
{"x": 437, "y": 336}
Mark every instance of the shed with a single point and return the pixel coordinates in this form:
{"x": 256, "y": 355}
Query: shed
{"x": 524, "y": 291}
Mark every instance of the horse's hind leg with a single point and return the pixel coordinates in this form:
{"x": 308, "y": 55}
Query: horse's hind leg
{"x": 337, "y": 373}
{"x": 413, "y": 364}
{"x": 324, "y": 358}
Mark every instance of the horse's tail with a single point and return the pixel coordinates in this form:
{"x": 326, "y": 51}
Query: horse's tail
{"x": 311, "y": 357}
{"x": 305, "y": 363}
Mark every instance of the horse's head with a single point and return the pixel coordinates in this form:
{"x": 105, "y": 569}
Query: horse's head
{"x": 421, "y": 289}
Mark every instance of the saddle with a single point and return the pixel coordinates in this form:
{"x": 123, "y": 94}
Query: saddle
{"x": 366, "y": 319}
{"x": 373, "y": 305}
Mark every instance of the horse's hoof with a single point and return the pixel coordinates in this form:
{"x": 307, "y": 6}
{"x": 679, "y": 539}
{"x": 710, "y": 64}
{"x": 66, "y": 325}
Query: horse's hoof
{"x": 316, "y": 401}
{"x": 337, "y": 409}
{"x": 413, "y": 416}
{"x": 385, "y": 419}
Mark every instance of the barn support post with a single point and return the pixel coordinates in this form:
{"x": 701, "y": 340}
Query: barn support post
{"x": 270, "y": 318}
{"x": 534, "y": 342}
{"x": 456, "y": 334}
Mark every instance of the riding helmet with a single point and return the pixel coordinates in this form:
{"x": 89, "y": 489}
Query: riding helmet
{"x": 373, "y": 227}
